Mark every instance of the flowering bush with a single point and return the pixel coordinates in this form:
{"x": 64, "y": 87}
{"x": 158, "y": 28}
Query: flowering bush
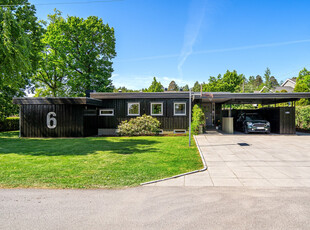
{"x": 139, "y": 126}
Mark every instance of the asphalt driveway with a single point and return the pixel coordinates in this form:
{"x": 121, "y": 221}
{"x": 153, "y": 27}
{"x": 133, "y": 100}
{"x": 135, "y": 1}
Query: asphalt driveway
{"x": 251, "y": 160}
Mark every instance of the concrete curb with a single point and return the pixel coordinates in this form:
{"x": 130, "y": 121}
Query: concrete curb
{"x": 205, "y": 167}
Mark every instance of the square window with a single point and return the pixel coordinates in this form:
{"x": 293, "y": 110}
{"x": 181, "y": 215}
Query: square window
{"x": 106, "y": 112}
{"x": 133, "y": 109}
{"x": 179, "y": 109}
{"x": 156, "y": 109}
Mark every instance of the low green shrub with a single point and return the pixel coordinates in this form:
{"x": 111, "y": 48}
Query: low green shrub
{"x": 303, "y": 117}
{"x": 139, "y": 126}
{"x": 198, "y": 119}
{"x": 9, "y": 124}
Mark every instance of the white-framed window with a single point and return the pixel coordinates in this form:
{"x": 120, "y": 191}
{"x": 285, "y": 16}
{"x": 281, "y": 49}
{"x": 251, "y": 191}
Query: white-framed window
{"x": 106, "y": 112}
{"x": 133, "y": 109}
{"x": 179, "y": 108}
{"x": 157, "y": 108}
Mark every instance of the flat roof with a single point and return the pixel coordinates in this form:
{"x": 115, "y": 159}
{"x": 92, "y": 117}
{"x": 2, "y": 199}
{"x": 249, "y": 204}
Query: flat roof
{"x": 56, "y": 101}
{"x": 250, "y": 98}
{"x": 96, "y": 99}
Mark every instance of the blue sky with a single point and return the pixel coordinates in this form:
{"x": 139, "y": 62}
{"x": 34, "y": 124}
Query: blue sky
{"x": 188, "y": 40}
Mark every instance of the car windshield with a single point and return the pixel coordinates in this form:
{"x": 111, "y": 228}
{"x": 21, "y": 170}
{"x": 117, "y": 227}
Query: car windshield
{"x": 253, "y": 117}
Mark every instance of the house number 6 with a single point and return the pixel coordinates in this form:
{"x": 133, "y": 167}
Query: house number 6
{"x": 51, "y": 122}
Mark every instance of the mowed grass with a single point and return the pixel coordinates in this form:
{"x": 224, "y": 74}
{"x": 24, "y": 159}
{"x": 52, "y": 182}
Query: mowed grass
{"x": 93, "y": 162}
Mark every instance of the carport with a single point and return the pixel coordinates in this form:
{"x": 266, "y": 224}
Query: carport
{"x": 218, "y": 108}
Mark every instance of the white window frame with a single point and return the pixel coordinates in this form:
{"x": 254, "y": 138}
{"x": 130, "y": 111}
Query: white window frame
{"x": 162, "y": 108}
{"x": 181, "y": 102}
{"x": 106, "y": 115}
{"x": 128, "y": 105}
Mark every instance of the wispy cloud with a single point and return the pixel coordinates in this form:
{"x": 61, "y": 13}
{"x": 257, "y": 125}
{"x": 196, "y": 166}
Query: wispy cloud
{"x": 144, "y": 81}
{"x": 218, "y": 50}
{"x": 192, "y": 28}
{"x": 252, "y": 47}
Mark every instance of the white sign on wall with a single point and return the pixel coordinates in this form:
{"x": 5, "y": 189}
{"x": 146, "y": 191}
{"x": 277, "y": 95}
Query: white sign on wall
{"x": 51, "y": 121}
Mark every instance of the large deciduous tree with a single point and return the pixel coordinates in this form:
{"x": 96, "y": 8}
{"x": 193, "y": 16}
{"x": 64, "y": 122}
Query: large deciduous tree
{"x": 20, "y": 45}
{"x": 230, "y": 82}
{"x": 81, "y": 52}
{"x": 52, "y": 75}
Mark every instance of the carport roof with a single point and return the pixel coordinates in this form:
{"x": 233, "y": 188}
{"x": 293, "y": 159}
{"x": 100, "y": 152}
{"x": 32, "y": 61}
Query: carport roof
{"x": 249, "y": 98}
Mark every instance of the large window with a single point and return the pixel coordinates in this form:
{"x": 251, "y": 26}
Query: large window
{"x": 156, "y": 109}
{"x": 179, "y": 108}
{"x": 106, "y": 112}
{"x": 133, "y": 109}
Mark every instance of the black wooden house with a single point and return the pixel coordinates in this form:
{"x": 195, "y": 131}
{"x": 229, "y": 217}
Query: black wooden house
{"x": 101, "y": 113}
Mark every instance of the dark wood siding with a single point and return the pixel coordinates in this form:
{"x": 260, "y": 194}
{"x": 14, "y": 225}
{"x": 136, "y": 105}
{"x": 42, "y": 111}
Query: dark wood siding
{"x": 90, "y": 121}
{"x": 168, "y": 120}
{"x": 282, "y": 119}
{"x": 69, "y": 120}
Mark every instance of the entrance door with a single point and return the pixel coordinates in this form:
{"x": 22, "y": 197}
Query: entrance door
{"x": 208, "y": 113}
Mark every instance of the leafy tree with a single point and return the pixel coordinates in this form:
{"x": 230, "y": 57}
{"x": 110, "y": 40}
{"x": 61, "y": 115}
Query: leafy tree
{"x": 303, "y": 81}
{"x": 258, "y": 81}
{"x": 20, "y": 34}
{"x": 249, "y": 85}
{"x": 173, "y": 86}
{"x": 196, "y": 87}
{"x": 156, "y": 86}
{"x": 303, "y": 85}
{"x": 81, "y": 53}
{"x": 230, "y": 82}
{"x": 267, "y": 78}
{"x": 273, "y": 82}
{"x": 214, "y": 84}
{"x": 51, "y": 76}
{"x": 185, "y": 88}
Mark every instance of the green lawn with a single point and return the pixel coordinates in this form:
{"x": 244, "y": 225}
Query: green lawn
{"x": 93, "y": 162}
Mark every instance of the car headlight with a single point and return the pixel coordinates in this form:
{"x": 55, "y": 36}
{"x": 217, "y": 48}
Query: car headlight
{"x": 267, "y": 124}
{"x": 249, "y": 124}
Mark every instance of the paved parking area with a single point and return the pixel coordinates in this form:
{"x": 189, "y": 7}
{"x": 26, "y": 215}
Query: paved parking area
{"x": 251, "y": 160}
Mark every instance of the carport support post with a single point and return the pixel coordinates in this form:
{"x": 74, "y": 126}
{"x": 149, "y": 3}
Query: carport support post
{"x": 190, "y": 117}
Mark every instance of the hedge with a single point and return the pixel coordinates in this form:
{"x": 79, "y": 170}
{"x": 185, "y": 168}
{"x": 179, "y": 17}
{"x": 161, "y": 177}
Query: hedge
{"x": 9, "y": 124}
{"x": 303, "y": 117}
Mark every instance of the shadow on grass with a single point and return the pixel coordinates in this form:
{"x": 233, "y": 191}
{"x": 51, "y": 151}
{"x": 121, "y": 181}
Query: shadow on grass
{"x": 9, "y": 144}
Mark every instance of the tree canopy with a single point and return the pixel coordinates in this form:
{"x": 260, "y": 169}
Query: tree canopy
{"x": 20, "y": 45}
{"x": 230, "y": 82}
{"x": 156, "y": 86}
{"x": 77, "y": 56}
{"x": 173, "y": 86}
{"x": 196, "y": 87}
